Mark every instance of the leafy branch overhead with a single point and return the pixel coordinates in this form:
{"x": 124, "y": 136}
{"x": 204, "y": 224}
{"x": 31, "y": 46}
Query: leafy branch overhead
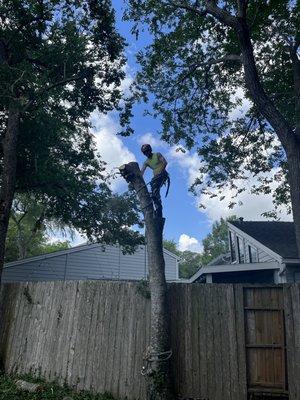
{"x": 197, "y": 67}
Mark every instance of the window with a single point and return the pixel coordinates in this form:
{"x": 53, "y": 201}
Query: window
{"x": 253, "y": 254}
{"x": 232, "y": 247}
{"x": 241, "y": 250}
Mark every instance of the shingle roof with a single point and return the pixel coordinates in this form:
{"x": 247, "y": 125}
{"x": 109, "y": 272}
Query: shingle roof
{"x": 277, "y": 236}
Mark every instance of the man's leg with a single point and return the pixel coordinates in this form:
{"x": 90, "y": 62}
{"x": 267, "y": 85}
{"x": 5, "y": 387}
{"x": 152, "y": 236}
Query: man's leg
{"x": 156, "y": 185}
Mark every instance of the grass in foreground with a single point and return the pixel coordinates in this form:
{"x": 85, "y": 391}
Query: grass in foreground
{"x": 50, "y": 391}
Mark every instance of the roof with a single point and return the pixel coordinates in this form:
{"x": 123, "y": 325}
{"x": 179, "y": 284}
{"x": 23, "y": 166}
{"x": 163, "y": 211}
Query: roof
{"x": 224, "y": 258}
{"x": 279, "y": 237}
{"x": 80, "y": 247}
{"x": 231, "y": 268}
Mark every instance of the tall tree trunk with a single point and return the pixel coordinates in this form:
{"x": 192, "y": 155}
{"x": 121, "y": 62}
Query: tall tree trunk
{"x": 158, "y": 353}
{"x": 293, "y": 158}
{"x": 289, "y": 138}
{"x": 8, "y": 178}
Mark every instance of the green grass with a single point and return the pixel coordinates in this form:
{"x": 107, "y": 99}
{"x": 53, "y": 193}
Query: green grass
{"x": 49, "y": 391}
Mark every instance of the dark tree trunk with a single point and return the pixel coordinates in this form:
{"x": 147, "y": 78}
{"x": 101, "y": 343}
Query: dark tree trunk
{"x": 289, "y": 138}
{"x": 8, "y": 178}
{"x": 158, "y": 353}
{"x": 293, "y": 158}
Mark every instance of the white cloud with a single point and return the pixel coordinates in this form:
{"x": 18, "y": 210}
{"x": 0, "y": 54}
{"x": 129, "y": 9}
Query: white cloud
{"x": 239, "y": 95}
{"x": 110, "y": 146}
{"x": 249, "y": 206}
{"x": 187, "y": 242}
{"x": 127, "y": 81}
{"x": 190, "y": 162}
{"x": 75, "y": 238}
{"x": 252, "y": 205}
{"x": 152, "y": 140}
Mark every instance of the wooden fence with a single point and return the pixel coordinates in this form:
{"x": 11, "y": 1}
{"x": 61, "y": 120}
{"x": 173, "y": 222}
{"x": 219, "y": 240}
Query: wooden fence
{"x": 93, "y": 335}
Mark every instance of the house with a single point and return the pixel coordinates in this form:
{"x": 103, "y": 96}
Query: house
{"x": 260, "y": 252}
{"x": 88, "y": 261}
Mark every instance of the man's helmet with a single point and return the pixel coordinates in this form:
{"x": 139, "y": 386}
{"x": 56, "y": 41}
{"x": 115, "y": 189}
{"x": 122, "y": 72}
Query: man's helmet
{"x": 146, "y": 148}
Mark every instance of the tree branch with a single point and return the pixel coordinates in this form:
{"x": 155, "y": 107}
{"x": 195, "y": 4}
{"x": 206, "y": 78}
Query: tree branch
{"x": 59, "y": 83}
{"x": 187, "y": 8}
{"x": 193, "y": 68}
{"x": 242, "y": 8}
{"x": 253, "y": 82}
{"x": 221, "y": 14}
{"x": 64, "y": 81}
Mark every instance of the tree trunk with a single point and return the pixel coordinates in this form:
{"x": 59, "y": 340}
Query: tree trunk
{"x": 289, "y": 138}
{"x": 8, "y": 178}
{"x": 158, "y": 353}
{"x": 293, "y": 158}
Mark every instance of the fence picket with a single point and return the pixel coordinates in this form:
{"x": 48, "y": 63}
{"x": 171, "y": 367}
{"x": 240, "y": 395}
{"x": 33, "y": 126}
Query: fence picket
{"x": 93, "y": 335}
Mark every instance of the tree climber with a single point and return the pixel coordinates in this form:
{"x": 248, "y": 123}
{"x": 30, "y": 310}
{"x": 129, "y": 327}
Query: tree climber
{"x": 157, "y": 163}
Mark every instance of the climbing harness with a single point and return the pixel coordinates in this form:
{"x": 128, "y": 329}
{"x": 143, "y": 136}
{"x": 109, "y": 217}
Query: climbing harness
{"x": 150, "y": 357}
{"x": 166, "y": 181}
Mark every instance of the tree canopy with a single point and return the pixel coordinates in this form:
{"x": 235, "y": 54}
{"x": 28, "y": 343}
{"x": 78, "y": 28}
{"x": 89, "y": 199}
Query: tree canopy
{"x": 23, "y": 241}
{"x": 60, "y": 61}
{"x": 198, "y": 70}
{"x": 216, "y": 242}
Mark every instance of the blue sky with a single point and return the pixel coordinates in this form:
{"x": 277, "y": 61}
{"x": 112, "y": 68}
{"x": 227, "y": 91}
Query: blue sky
{"x": 182, "y": 216}
{"x": 186, "y": 223}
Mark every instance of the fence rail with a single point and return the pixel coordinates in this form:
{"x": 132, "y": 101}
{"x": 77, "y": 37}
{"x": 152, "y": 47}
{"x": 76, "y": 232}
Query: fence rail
{"x": 93, "y": 335}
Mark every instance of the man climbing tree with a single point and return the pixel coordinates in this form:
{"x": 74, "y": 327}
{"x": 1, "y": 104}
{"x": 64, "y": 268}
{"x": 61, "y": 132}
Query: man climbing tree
{"x": 158, "y": 354}
{"x": 224, "y": 78}
{"x": 157, "y": 163}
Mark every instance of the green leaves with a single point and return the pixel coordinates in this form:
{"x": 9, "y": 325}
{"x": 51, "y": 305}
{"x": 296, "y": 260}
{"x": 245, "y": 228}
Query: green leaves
{"x": 192, "y": 68}
{"x": 59, "y": 61}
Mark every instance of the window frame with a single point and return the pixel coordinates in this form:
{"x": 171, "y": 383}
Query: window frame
{"x": 250, "y": 251}
{"x": 232, "y": 245}
{"x": 241, "y": 245}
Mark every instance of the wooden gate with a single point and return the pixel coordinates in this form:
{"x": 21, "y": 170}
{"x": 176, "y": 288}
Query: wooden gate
{"x": 265, "y": 342}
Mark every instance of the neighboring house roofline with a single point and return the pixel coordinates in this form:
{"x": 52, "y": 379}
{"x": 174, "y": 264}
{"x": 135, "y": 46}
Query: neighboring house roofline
{"x": 241, "y": 267}
{"x": 291, "y": 260}
{"x": 255, "y": 242}
{"x": 233, "y": 268}
{"x": 78, "y": 248}
{"x": 171, "y": 254}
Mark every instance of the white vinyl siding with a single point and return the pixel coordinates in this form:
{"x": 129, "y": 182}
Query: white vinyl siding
{"x": 239, "y": 247}
{"x": 232, "y": 244}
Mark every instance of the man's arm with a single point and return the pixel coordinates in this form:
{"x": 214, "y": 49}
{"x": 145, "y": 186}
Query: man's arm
{"x": 162, "y": 160}
{"x": 143, "y": 169}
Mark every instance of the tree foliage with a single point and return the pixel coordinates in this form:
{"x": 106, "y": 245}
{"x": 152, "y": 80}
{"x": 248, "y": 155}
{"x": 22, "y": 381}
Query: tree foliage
{"x": 216, "y": 242}
{"x": 27, "y": 232}
{"x": 59, "y": 61}
{"x": 198, "y": 70}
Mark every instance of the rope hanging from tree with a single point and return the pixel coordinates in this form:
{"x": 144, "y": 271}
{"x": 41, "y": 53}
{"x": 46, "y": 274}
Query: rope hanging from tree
{"x": 150, "y": 357}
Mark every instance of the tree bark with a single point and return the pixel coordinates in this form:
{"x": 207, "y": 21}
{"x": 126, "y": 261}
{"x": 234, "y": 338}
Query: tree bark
{"x": 8, "y": 178}
{"x": 289, "y": 138}
{"x": 158, "y": 353}
{"x": 293, "y": 158}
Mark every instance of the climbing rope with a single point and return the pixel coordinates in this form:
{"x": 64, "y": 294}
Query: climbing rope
{"x": 151, "y": 357}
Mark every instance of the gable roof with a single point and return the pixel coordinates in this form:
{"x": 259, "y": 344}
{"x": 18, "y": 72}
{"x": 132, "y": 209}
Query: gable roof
{"x": 75, "y": 249}
{"x": 280, "y": 237}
